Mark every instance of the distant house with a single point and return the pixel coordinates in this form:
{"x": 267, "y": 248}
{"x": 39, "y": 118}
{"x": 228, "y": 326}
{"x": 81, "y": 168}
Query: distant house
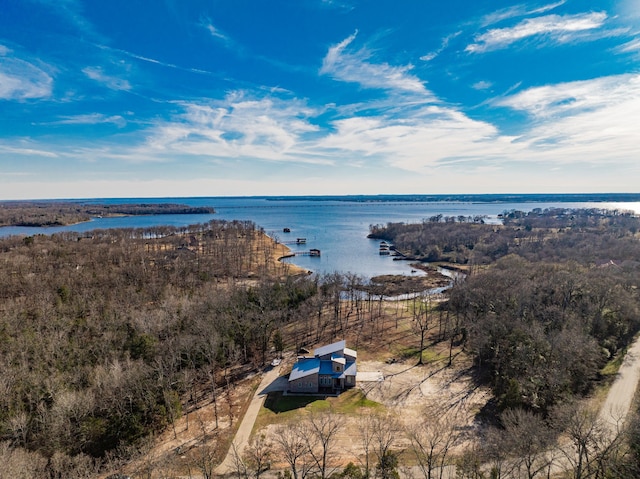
{"x": 331, "y": 369}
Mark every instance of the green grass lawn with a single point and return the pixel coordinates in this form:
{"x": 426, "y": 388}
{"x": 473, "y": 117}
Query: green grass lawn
{"x": 279, "y": 408}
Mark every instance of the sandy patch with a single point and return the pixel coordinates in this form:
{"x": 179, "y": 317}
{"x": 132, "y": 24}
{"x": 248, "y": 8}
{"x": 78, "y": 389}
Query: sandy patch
{"x": 411, "y": 393}
{"x": 408, "y": 390}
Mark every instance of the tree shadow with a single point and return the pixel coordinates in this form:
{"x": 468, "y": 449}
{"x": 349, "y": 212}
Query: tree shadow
{"x": 278, "y": 402}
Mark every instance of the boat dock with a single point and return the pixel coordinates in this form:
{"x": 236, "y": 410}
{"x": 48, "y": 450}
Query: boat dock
{"x": 311, "y": 252}
{"x": 297, "y": 241}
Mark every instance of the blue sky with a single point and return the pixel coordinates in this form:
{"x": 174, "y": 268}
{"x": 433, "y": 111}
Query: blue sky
{"x": 127, "y": 98}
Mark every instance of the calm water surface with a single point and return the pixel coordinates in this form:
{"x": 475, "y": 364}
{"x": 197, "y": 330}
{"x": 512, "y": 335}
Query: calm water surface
{"x": 338, "y": 228}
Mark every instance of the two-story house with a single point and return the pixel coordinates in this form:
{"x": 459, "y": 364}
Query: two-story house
{"x": 331, "y": 369}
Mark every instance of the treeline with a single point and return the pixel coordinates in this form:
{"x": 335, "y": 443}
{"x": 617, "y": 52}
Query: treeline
{"x": 439, "y": 238}
{"x": 555, "y": 234}
{"x": 552, "y": 296}
{"x": 540, "y": 332}
{"x": 102, "y": 336}
{"x": 53, "y": 213}
{"x": 106, "y": 337}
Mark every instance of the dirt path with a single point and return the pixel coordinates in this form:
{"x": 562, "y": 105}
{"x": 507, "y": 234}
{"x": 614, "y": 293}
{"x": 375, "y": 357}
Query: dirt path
{"x": 618, "y": 403}
{"x": 244, "y": 430}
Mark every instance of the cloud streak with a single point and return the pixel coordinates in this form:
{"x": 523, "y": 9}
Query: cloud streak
{"x": 560, "y": 29}
{"x": 111, "y": 82}
{"x": 215, "y": 32}
{"x": 517, "y": 11}
{"x": 157, "y": 62}
{"x": 355, "y": 67}
{"x": 581, "y": 122}
{"x": 21, "y": 80}
{"x": 90, "y": 119}
{"x": 26, "y": 151}
{"x": 240, "y": 126}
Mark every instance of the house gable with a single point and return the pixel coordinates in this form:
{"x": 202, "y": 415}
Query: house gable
{"x": 325, "y": 352}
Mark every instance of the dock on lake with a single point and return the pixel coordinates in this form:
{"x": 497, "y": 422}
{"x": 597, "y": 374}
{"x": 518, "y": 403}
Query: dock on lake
{"x": 311, "y": 252}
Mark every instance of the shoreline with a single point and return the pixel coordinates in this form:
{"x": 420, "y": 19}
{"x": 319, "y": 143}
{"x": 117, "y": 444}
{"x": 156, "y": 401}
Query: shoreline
{"x": 281, "y": 252}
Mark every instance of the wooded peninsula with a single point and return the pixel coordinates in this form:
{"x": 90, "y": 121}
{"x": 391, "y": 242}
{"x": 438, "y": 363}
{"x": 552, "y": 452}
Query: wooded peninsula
{"x": 112, "y": 342}
{"x": 55, "y": 213}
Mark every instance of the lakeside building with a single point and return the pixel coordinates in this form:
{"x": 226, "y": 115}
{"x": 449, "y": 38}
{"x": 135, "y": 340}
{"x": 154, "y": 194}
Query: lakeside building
{"x": 330, "y": 370}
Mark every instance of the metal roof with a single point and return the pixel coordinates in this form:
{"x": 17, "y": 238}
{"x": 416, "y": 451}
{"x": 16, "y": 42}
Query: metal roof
{"x": 304, "y": 368}
{"x": 330, "y": 348}
{"x": 338, "y": 359}
{"x": 350, "y": 369}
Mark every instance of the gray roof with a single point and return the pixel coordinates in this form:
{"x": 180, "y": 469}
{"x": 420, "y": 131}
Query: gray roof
{"x": 330, "y": 348}
{"x": 304, "y": 367}
{"x": 338, "y": 359}
{"x": 351, "y": 369}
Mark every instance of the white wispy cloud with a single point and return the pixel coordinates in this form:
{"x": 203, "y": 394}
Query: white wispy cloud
{"x": 629, "y": 9}
{"x": 155, "y": 61}
{"x": 516, "y": 11}
{"x": 239, "y": 126}
{"x": 355, "y": 67}
{"x": 22, "y": 80}
{"x": 576, "y": 123}
{"x": 218, "y": 34}
{"x": 630, "y": 47}
{"x": 592, "y": 121}
{"x": 548, "y": 7}
{"x": 482, "y": 85}
{"x": 111, "y": 82}
{"x": 27, "y": 150}
{"x": 574, "y": 97}
{"x": 420, "y": 140}
{"x": 560, "y": 28}
{"x": 72, "y": 11}
{"x": 90, "y": 119}
{"x": 444, "y": 44}
{"x": 215, "y": 32}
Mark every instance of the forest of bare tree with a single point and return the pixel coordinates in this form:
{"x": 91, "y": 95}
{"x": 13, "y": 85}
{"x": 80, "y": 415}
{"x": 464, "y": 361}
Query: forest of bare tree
{"x": 550, "y": 298}
{"x": 106, "y": 338}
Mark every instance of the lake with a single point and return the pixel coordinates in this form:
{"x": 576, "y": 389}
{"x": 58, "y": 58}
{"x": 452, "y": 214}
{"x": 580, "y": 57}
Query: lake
{"x": 338, "y": 228}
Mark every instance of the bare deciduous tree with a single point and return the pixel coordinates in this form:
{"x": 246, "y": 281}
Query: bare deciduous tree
{"x": 258, "y": 455}
{"x": 320, "y": 434}
{"x": 421, "y": 316}
{"x": 366, "y": 428}
{"x": 432, "y": 440}
{"x": 291, "y": 444}
{"x": 527, "y": 438}
{"x": 594, "y": 444}
{"x": 386, "y": 432}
